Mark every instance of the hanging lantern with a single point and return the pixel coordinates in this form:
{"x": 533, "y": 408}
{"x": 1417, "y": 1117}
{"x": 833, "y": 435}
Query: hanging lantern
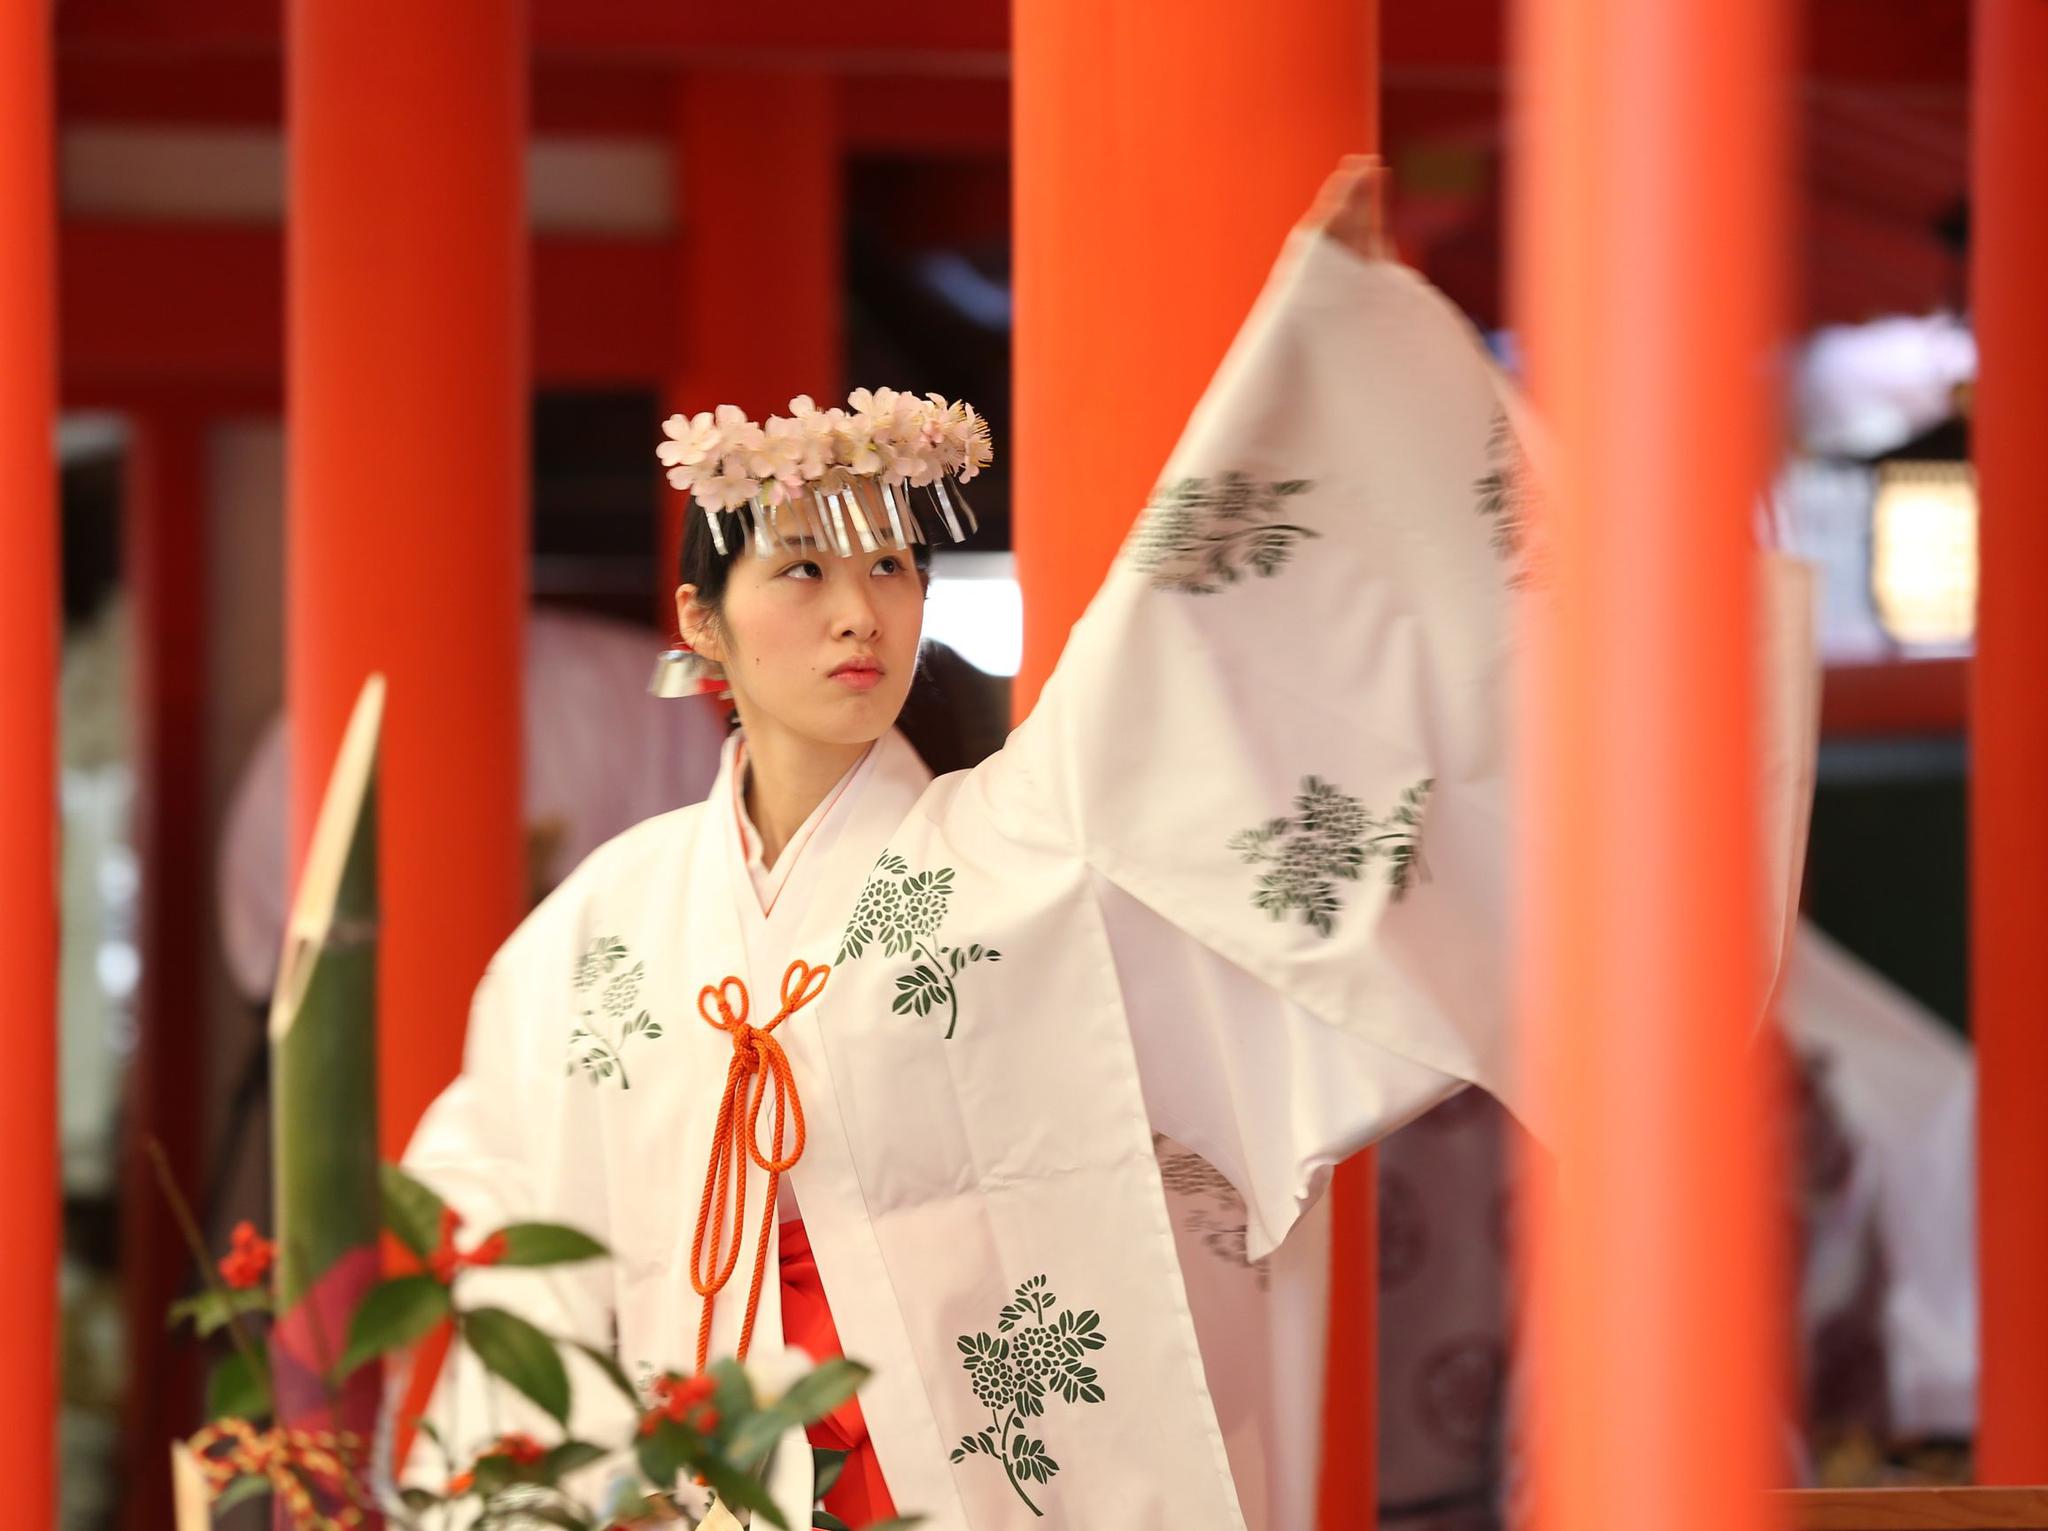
{"x": 1923, "y": 553}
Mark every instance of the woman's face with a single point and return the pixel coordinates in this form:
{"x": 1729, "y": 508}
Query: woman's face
{"x": 822, "y": 646}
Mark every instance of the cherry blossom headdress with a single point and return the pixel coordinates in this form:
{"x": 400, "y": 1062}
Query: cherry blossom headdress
{"x": 889, "y": 469}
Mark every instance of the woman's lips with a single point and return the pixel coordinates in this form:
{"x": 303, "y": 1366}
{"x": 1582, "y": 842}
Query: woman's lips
{"x": 859, "y": 675}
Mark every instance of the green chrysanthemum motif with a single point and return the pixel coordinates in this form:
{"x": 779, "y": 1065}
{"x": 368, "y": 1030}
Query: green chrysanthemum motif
{"x": 996, "y": 1384}
{"x": 1042, "y": 1360}
{"x": 901, "y": 911}
{"x": 622, "y": 992}
{"x": 1328, "y": 815}
{"x": 1037, "y": 1353}
{"x": 880, "y": 905}
{"x": 1165, "y": 534}
{"x": 612, "y": 1016}
{"x": 598, "y": 959}
{"x": 924, "y": 903}
{"x": 1505, "y": 497}
{"x": 1200, "y": 534}
{"x": 1330, "y": 838}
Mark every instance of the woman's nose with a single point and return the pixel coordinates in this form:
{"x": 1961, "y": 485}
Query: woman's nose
{"x": 856, "y": 615}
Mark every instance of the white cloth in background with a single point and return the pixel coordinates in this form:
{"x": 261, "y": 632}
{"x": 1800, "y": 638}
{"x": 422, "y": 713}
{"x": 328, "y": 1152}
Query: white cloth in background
{"x": 1904, "y": 1088}
{"x": 601, "y": 755}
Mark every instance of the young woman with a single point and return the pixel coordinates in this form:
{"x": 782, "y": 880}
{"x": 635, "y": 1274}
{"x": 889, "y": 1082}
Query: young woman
{"x": 1229, "y": 902}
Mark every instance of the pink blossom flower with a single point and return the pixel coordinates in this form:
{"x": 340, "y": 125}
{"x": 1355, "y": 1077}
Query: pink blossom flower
{"x": 819, "y": 430}
{"x": 691, "y": 440}
{"x": 780, "y": 454}
{"x": 726, "y": 491}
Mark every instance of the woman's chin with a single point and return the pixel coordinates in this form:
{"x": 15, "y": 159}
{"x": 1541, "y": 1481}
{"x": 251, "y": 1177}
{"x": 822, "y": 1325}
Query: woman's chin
{"x": 858, "y": 719}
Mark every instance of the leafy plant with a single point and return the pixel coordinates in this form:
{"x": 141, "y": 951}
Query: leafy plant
{"x": 715, "y": 1430}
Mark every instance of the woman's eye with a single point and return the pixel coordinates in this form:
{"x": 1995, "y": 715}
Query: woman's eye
{"x": 887, "y": 566}
{"x": 808, "y": 569}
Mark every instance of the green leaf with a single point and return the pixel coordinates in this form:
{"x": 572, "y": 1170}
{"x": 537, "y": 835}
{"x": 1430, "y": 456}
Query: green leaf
{"x": 756, "y": 1435}
{"x": 549, "y": 1515}
{"x": 662, "y": 1453}
{"x": 826, "y": 1466}
{"x": 395, "y": 1314}
{"x": 235, "y": 1389}
{"x": 411, "y": 1211}
{"x": 732, "y": 1394}
{"x": 248, "y": 1486}
{"x": 418, "y": 1500}
{"x": 543, "y": 1515}
{"x": 494, "y": 1474}
{"x": 567, "y": 1457}
{"x": 548, "y": 1244}
{"x": 817, "y": 1394}
{"x": 513, "y": 1349}
{"x": 614, "y": 1373}
{"x": 825, "y": 1520}
{"x": 212, "y": 1310}
{"x": 738, "y": 1491}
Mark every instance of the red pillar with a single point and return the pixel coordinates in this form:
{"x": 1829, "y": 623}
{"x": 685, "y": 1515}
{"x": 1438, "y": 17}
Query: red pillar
{"x": 28, "y": 785}
{"x": 2009, "y": 733}
{"x": 1144, "y": 227}
{"x": 407, "y": 477}
{"x": 165, "y": 533}
{"x": 1648, "y": 256}
{"x": 758, "y": 252}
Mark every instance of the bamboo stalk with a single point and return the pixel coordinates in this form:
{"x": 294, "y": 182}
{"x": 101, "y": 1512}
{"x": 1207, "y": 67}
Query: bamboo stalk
{"x": 323, "y": 1060}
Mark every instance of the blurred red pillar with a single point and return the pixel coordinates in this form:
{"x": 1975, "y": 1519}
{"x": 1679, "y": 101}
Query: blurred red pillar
{"x": 1649, "y": 249}
{"x": 28, "y": 785}
{"x": 1161, "y": 153}
{"x": 407, "y": 470}
{"x": 2009, "y": 732}
{"x": 759, "y": 263}
{"x": 165, "y": 532}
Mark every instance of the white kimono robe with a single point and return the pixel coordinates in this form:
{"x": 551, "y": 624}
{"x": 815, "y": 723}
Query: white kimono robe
{"x": 1238, "y": 881}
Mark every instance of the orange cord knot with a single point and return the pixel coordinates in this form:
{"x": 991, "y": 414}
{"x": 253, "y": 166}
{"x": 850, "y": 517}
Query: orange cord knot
{"x": 758, "y": 1072}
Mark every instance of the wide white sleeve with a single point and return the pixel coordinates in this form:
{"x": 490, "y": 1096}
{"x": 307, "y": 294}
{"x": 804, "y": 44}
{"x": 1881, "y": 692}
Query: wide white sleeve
{"x": 510, "y": 1141}
{"x": 1271, "y": 1096}
{"x": 1278, "y": 736}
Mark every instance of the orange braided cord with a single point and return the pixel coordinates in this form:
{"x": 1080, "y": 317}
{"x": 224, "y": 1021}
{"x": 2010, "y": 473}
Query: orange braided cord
{"x": 286, "y": 1457}
{"x": 758, "y": 1066}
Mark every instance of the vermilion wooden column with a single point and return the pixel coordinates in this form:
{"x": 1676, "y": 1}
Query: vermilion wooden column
{"x": 1162, "y": 152}
{"x": 1647, "y": 261}
{"x": 28, "y": 761}
{"x": 2009, "y": 733}
{"x": 407, "y": 477}
{"x": 165, "y": 533}
{"x": 758, "y": 252}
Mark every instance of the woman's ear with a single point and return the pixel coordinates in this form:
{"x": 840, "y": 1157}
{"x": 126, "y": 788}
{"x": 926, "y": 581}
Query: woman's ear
{"x": 694, "y": 622}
